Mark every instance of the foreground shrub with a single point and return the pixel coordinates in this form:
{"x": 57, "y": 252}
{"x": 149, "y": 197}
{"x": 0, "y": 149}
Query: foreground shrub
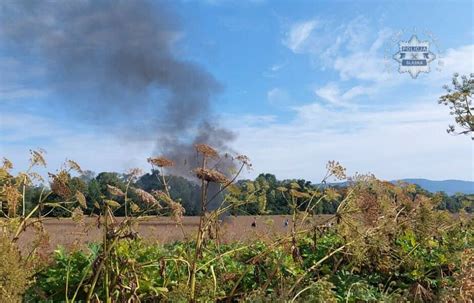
{"x": 14, "y": 273}
{"x": 386, "y": 243}
{"x": 266, "y": 272}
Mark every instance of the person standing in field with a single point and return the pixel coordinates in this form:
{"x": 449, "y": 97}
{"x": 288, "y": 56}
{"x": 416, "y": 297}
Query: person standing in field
{"x": 286, "y": 222}
{"x": 254, "y": 223}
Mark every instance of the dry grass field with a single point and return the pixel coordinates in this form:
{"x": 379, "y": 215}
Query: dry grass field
{"x": 71, "y": 234}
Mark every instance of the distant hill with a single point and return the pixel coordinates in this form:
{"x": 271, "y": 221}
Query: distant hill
{"x": 448, "y": 186}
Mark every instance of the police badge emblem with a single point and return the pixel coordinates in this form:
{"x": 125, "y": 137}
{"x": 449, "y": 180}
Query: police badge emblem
{"x": 414, "y": 56}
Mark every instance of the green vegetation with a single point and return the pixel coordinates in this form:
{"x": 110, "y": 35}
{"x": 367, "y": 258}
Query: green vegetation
{"x": 409, "y": 267}
{"x": 385, "y": 242}
{"x": 459, "y": 100}
{"x": 262, "y": 191}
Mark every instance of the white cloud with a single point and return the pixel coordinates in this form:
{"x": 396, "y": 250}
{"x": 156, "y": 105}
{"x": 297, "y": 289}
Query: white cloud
{"x": 406, "y": 138}
{"x": 364, "y": 63}
{"x": 92, "y": 150}
{"x": 274, "y": 70}
{"x": 392, "y": 143}
{"x": 14, "y": 78}
{"x": 356, "y": 33}
{"x": 278, "y": 96}
{"x": 277, "y": 67}
{"x": 323, "y": 40}
{"x": 332, "y": 94}
{"x": 298, "y": 34}
{"x": 361, "y": 66}
{"x": 453, "y": 60}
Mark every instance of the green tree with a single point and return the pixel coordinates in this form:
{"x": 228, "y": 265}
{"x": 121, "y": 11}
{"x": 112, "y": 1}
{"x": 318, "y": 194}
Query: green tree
{"x": 459, "y": 100}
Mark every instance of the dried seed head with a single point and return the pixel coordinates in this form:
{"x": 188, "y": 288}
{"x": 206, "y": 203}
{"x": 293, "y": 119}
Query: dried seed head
{"x": 244, "y": 160}
{"x": 206, "y": 151}
{"x": 177, "y": 210}
{"x": 162, "y": 196}
{"x": 368, "y": 205}
{"x": 336, "y": 170}
{"x": 81, "y": 199}
{"x": 115, "y": 191}
{"x": 12, "y": 196}
{"x": 37, "y": 157}
{"x": 7, "y": 164}
{"x": 134, "y": 172}
{"x": 135, "y": 208}
{"x": 35, "y": 176}
{"x": 77, "y": 215}
{"x": 211, "y": 175}
{"x": 298, "y": 194}
{"x": 331, "y": 194}
{"x": 112, "y": 203}
{"x": 160, "y": 162}
{"x": 146, "y": 197}
{"x": 74, "y": 166}
{"x": 361, "y": 178}
{"x": 59, "y": 184}
{"x": 23, "y": 179}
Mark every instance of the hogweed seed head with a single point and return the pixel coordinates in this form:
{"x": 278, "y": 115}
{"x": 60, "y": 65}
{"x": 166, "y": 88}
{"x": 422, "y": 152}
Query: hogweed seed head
{"x": 146, "y": 197}
{"x": 244, "y": 160}
{"x": 162, "y": 196}
{"x": 134, "y": 173}
{"x": 59, "y": 184}
{"x": 74, "y": 166}
{"x": 160, "y": 161}
{"x": 336, "y": 170}
{"x": 206, "y": 151}
{"x": 81, "y": 199}
{"x": 7, "y": 164}
{"x": 211, "y": 175}
{"x": 12, "y": 196}
{"x": 177, "y": 210}
{"x": 37, "y": 157}
{"x": 115, "y": 191}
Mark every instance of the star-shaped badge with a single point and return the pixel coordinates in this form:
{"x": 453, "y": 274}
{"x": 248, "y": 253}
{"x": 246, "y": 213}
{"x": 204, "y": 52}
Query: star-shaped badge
{"x": 414, "y": 56}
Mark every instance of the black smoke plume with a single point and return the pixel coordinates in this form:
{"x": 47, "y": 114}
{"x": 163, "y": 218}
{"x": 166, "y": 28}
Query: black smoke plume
{"x": 116, "y": 63}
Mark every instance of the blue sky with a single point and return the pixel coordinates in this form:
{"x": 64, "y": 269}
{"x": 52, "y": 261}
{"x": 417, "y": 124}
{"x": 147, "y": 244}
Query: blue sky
{"x": 304, "y": 82}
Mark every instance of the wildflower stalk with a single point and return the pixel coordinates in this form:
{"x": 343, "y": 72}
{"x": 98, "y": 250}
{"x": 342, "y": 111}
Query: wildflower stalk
{"x": 107, "y": 248}
{"x": 106, "y": 256}
{"x": 24, "y": 198}
{"x": 23, "y": 224}
{"x": 199, "y": 234}
{"x": 68, "y": 272}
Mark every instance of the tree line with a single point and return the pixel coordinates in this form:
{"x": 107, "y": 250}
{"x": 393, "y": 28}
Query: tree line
{"x": 264, "y": 194}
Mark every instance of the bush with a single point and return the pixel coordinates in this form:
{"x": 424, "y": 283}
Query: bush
{"x": 14, "y": 273}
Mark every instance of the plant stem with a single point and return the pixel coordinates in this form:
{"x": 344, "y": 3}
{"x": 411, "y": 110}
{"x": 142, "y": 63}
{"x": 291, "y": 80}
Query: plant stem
{"x": 24, "y": 198}
{"x": 199, "y": 234}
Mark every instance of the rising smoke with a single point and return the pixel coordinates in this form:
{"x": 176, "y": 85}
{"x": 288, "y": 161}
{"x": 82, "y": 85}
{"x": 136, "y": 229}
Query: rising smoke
{"x": 116, "y": 63}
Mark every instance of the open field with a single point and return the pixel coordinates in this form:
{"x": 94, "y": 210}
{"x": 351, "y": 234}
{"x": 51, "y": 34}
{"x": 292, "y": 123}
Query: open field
{"x": 70, "y": 234}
